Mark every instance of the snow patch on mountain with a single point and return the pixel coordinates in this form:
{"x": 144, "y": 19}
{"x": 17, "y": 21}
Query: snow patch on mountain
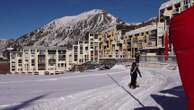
{"x": 68, "y": 29}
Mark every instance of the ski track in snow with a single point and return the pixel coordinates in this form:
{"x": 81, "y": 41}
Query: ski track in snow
{"x": 113, "y": 97}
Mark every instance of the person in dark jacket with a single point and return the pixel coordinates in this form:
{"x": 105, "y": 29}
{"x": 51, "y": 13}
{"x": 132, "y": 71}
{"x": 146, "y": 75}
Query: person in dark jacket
{"x": 134, "y": 73}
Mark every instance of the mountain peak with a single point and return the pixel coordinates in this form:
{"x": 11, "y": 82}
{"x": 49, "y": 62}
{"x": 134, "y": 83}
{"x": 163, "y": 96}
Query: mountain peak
{"x": 67, "y": 29}
{"x": 67, "y": 21}
{"x": 94, "y": 11}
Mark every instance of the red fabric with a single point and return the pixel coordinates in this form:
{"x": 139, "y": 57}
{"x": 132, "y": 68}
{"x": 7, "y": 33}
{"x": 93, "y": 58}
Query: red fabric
{"x": 166, "y": 47}
{"x": 182, "y": 36}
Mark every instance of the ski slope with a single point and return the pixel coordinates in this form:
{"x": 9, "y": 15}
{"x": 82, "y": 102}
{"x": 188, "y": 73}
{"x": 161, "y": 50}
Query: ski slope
{"x": 160, "y": 89}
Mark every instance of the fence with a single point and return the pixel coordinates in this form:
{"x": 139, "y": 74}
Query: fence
{"x": 158, "y": 59}
{"x": 143, "y": 59}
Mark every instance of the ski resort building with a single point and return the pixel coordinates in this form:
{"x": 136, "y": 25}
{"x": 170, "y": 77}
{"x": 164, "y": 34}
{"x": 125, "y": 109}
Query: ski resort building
{"x": 142, "y": 39}
{"x": 171, "y": 8}
{"x": 54, "y": 60}
{"x": 166, "y": 12}
{"x": 80, "y": 52}
{"x": 111, "y": 44}
{"x": 84, "y": 51}
{"x": 40, "y": 60}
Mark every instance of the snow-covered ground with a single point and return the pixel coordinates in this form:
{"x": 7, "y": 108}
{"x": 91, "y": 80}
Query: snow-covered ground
{"x": 160, "y": 89}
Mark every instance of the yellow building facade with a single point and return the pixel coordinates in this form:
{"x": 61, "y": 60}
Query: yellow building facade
{"x": 111, "y": 44}
{"x": 143, "y": 39}
{"x": 166, "y": 11}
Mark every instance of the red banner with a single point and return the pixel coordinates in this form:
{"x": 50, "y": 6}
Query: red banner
{"x": 166, "y": 46}
{"x": 182, "y": 35}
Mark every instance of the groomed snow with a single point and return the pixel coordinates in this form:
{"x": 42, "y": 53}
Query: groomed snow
{"x": 108, "y": 96}
{"x": 119, "y": 67}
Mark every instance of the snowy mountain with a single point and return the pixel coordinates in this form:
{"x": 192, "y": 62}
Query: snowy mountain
{"x": 4, "y": 44}
{"x": 68, "y": 29}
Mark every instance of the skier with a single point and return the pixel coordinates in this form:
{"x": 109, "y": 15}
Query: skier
{"x": 133, "y": 73}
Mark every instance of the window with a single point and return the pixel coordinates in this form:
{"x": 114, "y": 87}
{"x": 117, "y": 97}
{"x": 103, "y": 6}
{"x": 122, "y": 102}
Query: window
{"x": 19, "y": 54}
{"x": 13, "y": 66}
{"x": 75, "y": 57}
{"x": 41, "y": 59}
{"x": 62, "y": 51}
{"x": 177, "y": 5}
{"x": 26, "y": 51}
{"x": 186, "y": 4}
{"x": 13, "y": 63}
{"x": 162, "y": 12}
{"x": 20, "y": 69}
{"x": 13, "y": 56}
{"x": 136, "y": 34}
{"x": 96, "y": 36}
{"x": 92, "y": 52}
{"x": 32, "y": 51}
{"x": 32, "y": 55}
{"x": 52, "y": 62}
{"x": 51, "y": 51}
{"x": 81, "y": 60}
{"x": 81, "y": 49}
{"x": 62, "y": 57}
{"x": 169, "y": 8}
{"x": 75, "y": 49}
{"x": 62, "y": 64}
{"x": 33, "y": 62}
{"x": 86, "y": 48}
{"x": 20, "y": 61}
{"x": 41, "y": 52}
{"x": 86, "y": 42}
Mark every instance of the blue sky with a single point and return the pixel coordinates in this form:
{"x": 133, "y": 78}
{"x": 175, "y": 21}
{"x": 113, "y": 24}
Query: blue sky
{"x": 18, "y": 17}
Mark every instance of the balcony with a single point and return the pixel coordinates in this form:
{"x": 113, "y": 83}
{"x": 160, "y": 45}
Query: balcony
{"x": 162, "y": 18}
{"x": 51, "y": 56}
{"x": 176, "y": 11}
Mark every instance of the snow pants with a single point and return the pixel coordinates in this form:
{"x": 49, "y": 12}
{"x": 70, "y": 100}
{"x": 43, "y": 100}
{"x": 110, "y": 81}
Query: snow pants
{"x": 133, "y": 80}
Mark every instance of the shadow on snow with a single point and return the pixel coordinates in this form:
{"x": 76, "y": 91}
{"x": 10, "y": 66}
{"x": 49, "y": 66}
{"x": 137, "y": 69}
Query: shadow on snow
{"x": 25, "y": 104}
{"x": 175, "y": 102}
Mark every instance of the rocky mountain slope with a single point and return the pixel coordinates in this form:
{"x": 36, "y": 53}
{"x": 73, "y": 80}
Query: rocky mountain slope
{"x": 68, "y": 29}
{"x": 4, "y": 44}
